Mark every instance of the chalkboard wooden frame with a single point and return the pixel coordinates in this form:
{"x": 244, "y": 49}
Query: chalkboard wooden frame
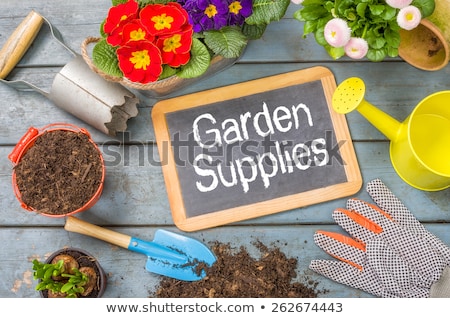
{"x": 243, "y": 212}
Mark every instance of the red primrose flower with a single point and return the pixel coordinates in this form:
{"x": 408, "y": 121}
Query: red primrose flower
{"x": 148, "y": 38}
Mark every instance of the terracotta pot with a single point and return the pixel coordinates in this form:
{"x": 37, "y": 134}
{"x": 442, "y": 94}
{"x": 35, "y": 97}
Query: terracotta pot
{"x": 424, "y": 47}
{"x": 27, "y": 142}
{"x": 84, "y": 259}
{"x": 440, "y": 17}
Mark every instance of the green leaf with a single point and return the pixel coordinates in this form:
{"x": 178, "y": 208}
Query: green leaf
{"x": 376, "y": 9}
{"x": 335, "y": 52}
{"x": 266, "y": 11}
{"x": 228, "y": 41}
{"x": 392, "y": 51}
{"x": 361, "y": 9}
{"x": 310, "y": 2}
{"x": 48, "y": 273}
{"x": 425, "y": 6}
{"x": 392, "y": 38}
{"x": 167, "y": 72}
{"x": 253, "y": 32}
{"x": 389, "y": 13}
{"x": 199, "y": 62}
{"x": 102, "y": 31}
{"x": 376, "y": 42}
{"x": 105, "y": 58}
{"x": 309, "y": 27}
{"x": 66, "y": 287}
{"x": 311, "y": 13}
{"x": 376, "y": 55}
{"x": 117, "y": 2}
{"x": 298, "y": 15}
{"x": 320, "y": 36}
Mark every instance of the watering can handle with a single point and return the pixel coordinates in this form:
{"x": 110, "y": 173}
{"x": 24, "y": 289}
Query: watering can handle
{"x": 19, "y": 42}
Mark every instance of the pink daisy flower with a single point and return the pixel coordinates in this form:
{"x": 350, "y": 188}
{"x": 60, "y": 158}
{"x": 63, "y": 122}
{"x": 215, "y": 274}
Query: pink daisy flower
{"x": 297, "y": 1}
{"x": 337, "y": 33}
{"x": 409, "y": 17}
{"x": 356, "y": 48}
{"x": 398, "y": 3}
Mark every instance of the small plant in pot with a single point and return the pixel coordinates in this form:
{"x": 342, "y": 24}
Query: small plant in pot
{"x": 69, "y": 273}
{"x": 361, "y": 28}
{"x": 58, "y": 170}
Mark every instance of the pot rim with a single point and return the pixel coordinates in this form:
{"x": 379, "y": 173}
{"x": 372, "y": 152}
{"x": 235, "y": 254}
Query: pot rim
{"x": 27, "y": 142}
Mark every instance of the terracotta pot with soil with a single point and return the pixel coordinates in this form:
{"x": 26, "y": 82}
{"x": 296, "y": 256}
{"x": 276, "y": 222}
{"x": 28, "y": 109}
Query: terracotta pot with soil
{"x": 70, "y": 273}
{"x": 424, "y": 47}
{"x": 58, "y": 170}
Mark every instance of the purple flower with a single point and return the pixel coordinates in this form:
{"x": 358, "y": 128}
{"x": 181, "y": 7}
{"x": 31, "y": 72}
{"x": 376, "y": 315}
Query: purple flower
{"x": 207, "y": 14}
{"x": 239, "y": 10}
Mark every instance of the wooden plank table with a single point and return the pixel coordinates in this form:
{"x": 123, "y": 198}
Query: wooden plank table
{"x": 134, "y": 200}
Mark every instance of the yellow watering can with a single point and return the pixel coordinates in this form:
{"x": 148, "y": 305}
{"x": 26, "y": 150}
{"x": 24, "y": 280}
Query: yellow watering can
{"x": 420, "y": 145}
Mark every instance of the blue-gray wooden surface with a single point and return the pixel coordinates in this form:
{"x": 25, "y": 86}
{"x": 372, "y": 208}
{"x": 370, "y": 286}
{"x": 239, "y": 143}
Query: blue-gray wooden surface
{"x": 134, "y": 200}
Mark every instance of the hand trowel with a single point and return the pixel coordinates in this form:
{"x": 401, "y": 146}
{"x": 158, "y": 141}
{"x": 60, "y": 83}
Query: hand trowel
{"x": 169, "y": 254}
{"x": 76, "y": 88}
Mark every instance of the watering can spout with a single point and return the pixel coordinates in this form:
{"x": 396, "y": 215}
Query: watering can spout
{"x": 349, "y": 96}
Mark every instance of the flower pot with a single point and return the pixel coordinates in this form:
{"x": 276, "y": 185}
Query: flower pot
{"x": 59, "y": 181}
{"x": 441, "y": 17}
{"x": 424, "y": 47}
{"x": 84, "y": 259}
{"x": 162, "y": 88}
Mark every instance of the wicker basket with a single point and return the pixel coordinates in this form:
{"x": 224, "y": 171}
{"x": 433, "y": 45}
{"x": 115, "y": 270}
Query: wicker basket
{"x": 161, "y": 88}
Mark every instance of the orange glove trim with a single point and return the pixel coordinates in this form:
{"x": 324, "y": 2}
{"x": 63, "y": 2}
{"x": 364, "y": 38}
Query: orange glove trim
{"x": 376, "y": 208}
{"x": 362, "y": 220}
{"x": 347, "y": 241}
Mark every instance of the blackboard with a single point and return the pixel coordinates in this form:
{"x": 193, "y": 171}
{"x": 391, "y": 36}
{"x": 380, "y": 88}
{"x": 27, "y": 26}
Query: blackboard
{"x": 254, "y": 148}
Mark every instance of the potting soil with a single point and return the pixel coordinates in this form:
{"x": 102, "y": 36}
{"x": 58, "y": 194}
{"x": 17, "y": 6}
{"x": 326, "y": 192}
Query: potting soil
{"x": 60, "y": 173}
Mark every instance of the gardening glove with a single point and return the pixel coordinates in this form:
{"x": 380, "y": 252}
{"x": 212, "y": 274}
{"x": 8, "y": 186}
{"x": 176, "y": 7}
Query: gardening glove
{"x": 389, "y": 203}
{"x": 388, "y": 254}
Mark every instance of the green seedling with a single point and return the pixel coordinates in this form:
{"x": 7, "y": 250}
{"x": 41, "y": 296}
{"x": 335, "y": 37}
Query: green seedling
{"x": 53, "y": 278}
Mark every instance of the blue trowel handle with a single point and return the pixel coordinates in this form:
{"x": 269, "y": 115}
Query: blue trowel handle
{"x": 150, "y": 249}
{"x": 157, "y": 251}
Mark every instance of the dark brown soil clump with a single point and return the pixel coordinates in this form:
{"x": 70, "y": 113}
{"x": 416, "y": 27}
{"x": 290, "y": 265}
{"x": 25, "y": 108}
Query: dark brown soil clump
{"x": 238, "y": 275}
{"x": 60, "y": 173}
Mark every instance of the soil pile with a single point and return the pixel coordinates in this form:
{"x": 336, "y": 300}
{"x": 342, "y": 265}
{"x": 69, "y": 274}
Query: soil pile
{"x": 238, "y": 275}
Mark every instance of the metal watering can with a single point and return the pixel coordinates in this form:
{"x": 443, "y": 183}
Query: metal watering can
{"x": 76, "y": 89}
{"x": 419, "y": 146}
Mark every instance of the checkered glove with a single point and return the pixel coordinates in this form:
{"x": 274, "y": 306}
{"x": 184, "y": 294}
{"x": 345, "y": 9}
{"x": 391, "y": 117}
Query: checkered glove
{"x": 389, "y": 253}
